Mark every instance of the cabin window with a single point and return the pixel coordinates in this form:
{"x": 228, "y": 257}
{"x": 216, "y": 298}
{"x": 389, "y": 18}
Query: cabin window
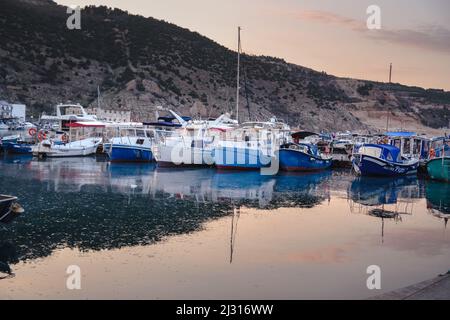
{"x": 140, "y": 141}
{"x": 140, "y": 133}
{"x": 197, "y": 144}
{"x": 371, "y": 151}
{"x": 407, "y": 147}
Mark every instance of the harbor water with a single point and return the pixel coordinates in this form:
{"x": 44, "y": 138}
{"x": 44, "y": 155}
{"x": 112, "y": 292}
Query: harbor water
{"x": 143, "y": 232}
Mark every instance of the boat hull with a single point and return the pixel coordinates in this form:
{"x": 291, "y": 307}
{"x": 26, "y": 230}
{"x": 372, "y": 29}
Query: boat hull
{"x": 179, "y": 156}
{"x": 371, "y": 166}
{"x": 240, "y": 159}
{"x": 80, "y": 148}
{"x": 15, "y": 148}
{"x": 293, "y": 160}
{"x": 122, "y": 153}
{"x": 439, "y": 169}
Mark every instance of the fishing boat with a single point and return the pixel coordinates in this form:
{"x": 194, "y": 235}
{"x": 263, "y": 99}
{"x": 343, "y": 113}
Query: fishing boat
{"x": 19, "y": 147}
{"x": 382, "y": 160}
{"x": 67, "y": 114}
{"x": 251, "y": 146}
{"x": 192, "y": 144}
{"x": 134, "y": 145}
{"x": 302, "y": 157}
{"x": 9, "y": 209}
{"x": 83, "y": 139}
{"x": 55, "y": 149}
{"x": 438, "y": 165}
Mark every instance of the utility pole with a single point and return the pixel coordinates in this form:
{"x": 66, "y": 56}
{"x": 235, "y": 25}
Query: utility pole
{"x": 390, "y": 73}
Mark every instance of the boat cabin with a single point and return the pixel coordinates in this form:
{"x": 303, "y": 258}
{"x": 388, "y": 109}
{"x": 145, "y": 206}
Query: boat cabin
{"x": 67, "y": 114}
{"x": 382, "y": 151}
{"x": 410, "y": 144}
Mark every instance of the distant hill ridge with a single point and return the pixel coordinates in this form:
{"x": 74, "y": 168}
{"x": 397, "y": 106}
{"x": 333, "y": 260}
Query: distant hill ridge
{"x": 140, "y": 63}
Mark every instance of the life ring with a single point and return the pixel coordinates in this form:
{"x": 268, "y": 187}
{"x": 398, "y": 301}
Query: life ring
{"x": 42, "y": 136}
{"x": 32, "y": 132}
{"x": 65, "y": 138}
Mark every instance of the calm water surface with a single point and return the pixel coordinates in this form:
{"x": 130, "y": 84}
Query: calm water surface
{"x": 137, "y": 231}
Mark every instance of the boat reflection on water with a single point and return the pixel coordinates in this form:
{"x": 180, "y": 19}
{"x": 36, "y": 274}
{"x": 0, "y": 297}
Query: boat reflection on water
{"x": 90, "y": 204}
{"x": 438, "y": 200}
{"x": 384, "y": 198}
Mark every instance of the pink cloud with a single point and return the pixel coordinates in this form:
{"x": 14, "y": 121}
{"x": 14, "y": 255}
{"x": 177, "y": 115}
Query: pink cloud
{"x": 435, "y": 38}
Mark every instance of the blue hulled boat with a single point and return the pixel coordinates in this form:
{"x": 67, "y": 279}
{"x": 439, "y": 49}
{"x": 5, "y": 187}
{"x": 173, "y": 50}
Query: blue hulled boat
{"x": 383, "y": 160}
{"x": 251, "y": 146}
{"x": 134, "y": 146}
{"x": 302, "y": 157}
{"x": 17, "y": 148}
{"x": 241, "y": 156}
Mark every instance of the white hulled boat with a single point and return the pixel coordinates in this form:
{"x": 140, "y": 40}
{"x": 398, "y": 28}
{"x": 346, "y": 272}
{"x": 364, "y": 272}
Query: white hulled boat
{"x": 192, "y": 144}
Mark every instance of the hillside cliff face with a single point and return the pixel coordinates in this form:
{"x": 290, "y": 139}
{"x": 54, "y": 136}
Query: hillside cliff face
{"x": 140, "y": 63}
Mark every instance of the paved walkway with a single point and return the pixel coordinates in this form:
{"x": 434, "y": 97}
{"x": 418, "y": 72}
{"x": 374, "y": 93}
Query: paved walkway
{"x": 436, "y": 289}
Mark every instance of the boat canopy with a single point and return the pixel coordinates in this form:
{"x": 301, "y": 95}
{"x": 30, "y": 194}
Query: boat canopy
{"x": 171, "y": 118}
{"x": 163, "y": 124}
{"x": 311, "y": 149}
{"x": 401, "y": 134}
{"x": 383, "y": 151}
{"x": 167, "y": 121}
{"x": 303, "y": 134}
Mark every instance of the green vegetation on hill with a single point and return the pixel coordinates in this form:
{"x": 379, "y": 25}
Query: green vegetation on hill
{"x": 143, "y": 62}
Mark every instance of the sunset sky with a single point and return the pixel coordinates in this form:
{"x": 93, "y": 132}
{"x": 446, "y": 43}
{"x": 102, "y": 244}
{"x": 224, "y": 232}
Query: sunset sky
{"x": 325, "y": 35}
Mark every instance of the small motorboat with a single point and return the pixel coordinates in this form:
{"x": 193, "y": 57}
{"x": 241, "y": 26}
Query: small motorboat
{"x": 383, "y": 160}
{"x": 18, "y": 147}
{"x": 303, "y": 157}
{"x": 438, "y": 165}
{"x": 56, "y": 149}
{"x": 9, "y": 209}
{"x": 134, "y": 146}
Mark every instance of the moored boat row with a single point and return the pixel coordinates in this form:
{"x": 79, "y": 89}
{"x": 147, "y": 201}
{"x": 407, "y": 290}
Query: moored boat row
{"x": 181, "y": 141}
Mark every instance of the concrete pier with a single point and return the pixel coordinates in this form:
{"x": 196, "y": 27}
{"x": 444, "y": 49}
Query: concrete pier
{"x": 435, "y": 289}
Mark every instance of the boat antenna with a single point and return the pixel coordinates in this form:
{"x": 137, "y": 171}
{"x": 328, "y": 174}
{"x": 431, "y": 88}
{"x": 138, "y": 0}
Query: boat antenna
{"x": 238, "y": 73}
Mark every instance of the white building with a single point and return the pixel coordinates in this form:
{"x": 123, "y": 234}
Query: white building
{"x": 19, "y": 112}
{"x": 12, "y": 111}
{"x": 111, "y": 115}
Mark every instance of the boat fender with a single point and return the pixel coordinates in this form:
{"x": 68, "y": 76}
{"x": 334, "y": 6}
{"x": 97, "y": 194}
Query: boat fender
{"x": 42, "y": 136}
{"x": 432, "y": 153}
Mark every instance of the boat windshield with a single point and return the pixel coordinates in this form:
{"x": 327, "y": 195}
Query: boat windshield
{"x": 386, "y": 152}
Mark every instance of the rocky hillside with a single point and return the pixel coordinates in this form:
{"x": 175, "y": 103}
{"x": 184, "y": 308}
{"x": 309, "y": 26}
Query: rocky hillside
{"x": 140, "y": 63}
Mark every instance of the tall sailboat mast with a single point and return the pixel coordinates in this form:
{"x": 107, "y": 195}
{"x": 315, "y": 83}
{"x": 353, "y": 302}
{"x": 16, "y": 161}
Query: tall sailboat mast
{"x": 238, "y": 74}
